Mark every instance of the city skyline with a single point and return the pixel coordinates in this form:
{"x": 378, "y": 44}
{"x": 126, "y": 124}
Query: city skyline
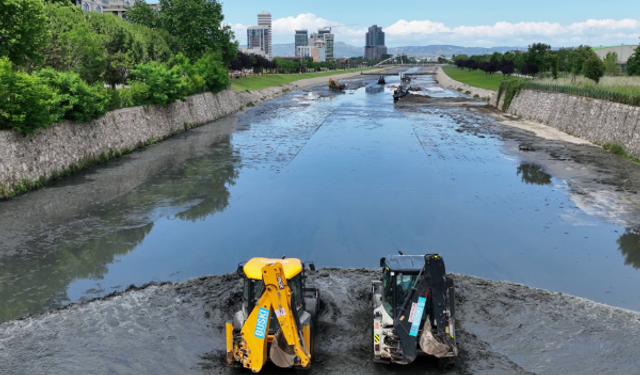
{"x": 586, "y": 22}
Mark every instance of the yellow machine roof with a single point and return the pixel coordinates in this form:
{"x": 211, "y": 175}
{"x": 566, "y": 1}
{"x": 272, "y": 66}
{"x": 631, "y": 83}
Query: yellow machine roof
{"x": 253, "y": 268}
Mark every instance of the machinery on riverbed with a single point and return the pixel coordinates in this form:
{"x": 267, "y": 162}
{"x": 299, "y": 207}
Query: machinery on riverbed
{"x": 401, "y": 92}
{"x": 334, "y": 85}
{"x": 278, "y": 309}
{"x": 413, "y": 310}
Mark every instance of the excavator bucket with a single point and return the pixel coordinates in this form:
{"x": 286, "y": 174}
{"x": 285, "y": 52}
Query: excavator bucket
{"x": 434, "y": 346}
{"x": 281, "y": 353}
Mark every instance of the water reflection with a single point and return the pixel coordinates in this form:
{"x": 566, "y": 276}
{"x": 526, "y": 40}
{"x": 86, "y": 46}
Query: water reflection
{"x": 39, "y": 281}
{"x": 48, "y": 275}
{"x": 372, "y": 90}
{"x": 629, "y": 246}
{"x": 533, "y": 174}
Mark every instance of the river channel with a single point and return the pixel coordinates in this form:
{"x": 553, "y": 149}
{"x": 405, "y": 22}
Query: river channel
{"x": 341, "y": 179}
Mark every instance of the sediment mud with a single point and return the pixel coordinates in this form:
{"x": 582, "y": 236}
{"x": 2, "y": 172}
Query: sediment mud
{"x": 502, "y": 328}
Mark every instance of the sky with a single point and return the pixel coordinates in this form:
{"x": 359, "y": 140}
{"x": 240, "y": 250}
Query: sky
{"x": 468, "y": 23}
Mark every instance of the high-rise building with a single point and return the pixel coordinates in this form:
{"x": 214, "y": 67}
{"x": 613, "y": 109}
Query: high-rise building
{"x": 323, "y": 39}
{"x": 302, "y": 40}
{"x": 374, "y": 46}
{"x": 264, "y": 19}
{"x": 328, "y": 39}
{"x": 259, "y": 37}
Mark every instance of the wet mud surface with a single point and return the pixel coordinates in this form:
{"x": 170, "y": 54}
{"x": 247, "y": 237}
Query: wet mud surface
{"x": 502, "y": 328}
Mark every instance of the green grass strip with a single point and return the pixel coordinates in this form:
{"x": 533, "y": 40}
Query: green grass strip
{"x": 476, "y": 78}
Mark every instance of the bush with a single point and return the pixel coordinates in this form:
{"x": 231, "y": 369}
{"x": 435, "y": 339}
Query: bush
{"x": 79, "y": 101}
{"x": 210, "y": 68}
{"x": 163, "y": 85}
{"x": 26, "y": 102}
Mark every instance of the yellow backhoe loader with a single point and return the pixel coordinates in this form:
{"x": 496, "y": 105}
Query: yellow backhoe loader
{"x": 335, "y": 85}
{"x": 276, "y": 320}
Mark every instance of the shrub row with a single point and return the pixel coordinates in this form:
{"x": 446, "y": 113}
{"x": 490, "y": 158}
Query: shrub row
{"x": 32, "y": 101}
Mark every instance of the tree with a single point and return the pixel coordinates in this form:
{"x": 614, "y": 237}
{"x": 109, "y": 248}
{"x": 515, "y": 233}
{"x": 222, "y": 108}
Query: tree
{"x": 593, "y": 68}
{"x": 142, "y": 14}
{"x": 23, "y": 30}
{"x": 461, "y": 56}
{"x": 554, "y": 66}
{"x": 578, "y": 57}
{"x": 519, "y": 60}
{"x": 197, "y": 25}
{"x": 633, "y": 64}
{"x": 507, "y": 67}
{"x": 538, "y": 56}
{"x": 563, "y": 56}
{"x": 496, "y": 57}
{"x": 611, "y": 67}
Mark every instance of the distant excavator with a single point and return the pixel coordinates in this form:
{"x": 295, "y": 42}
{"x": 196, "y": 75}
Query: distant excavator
{"x": 413, "y": 310}
{"x": 334, "y": 85}
{"x": 278, "y": 309}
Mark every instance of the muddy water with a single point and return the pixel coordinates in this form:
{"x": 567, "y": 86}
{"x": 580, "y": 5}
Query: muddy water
{"x": 339, "y": 179}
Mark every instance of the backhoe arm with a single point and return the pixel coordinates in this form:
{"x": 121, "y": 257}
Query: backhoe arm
{"x": 277, "y": 298}
{"x": 429, "y": 296}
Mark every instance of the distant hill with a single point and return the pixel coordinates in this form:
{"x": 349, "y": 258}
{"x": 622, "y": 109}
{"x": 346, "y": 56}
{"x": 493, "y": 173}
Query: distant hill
{"x": 345, "y": 50}
{"x": 446, "y": 50}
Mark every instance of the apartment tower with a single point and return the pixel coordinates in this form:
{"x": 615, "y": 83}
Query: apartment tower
{"x": 374, "y": 46}
{"x": 302, "y": 40}
{"x": 264, "y": 20}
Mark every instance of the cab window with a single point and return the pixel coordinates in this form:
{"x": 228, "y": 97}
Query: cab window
{"x": 387, "y": 291}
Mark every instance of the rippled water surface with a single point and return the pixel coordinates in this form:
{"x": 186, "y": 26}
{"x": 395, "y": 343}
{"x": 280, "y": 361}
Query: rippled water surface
{"x": 341, "y": 181}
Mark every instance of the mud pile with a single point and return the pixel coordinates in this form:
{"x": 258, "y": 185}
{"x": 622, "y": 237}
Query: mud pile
{"x": 502, "y": 328}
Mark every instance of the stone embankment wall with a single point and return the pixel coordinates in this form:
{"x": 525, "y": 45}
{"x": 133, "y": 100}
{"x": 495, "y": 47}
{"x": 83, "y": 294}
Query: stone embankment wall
{"x": 595, "y": 120}
{"x": 444, "y": 80}
{"x": 51, "y": 151}
{"x": 598, "y": 121}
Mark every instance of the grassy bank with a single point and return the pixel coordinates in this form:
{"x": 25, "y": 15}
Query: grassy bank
{"x": 475, "y": 78}
{"x": 262, "y": 82}
{"x": 621, "y": 85}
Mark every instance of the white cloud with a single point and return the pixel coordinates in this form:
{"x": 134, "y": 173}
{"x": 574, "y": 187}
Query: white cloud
{"x": 305, "y": 21}
{"x": 423, "y": 32}
{"x": 403, "y": 27}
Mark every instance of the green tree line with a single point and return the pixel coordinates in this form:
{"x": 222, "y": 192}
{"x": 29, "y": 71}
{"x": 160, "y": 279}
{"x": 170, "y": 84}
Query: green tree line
{"x": 58, "y": 62}
{"x": 541, "y": 59}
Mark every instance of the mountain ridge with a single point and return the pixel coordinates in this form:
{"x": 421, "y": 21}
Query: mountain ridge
{"x": 342, "y": 49}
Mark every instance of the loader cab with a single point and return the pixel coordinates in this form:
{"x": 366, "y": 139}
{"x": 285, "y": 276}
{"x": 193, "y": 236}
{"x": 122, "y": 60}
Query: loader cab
{"x": 399, "y": 273}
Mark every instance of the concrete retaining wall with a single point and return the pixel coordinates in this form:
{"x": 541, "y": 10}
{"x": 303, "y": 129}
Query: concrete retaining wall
{"x": 598, "y": 121}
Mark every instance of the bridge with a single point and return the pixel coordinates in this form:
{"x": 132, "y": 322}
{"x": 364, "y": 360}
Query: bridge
{"x": 403, "y": 60}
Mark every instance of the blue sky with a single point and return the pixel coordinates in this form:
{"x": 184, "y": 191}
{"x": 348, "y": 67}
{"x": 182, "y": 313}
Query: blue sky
{"x": 461, "y": 22}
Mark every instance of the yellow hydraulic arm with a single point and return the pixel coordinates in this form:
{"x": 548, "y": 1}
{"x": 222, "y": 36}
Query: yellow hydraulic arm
{"x": 252, "y": 348}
